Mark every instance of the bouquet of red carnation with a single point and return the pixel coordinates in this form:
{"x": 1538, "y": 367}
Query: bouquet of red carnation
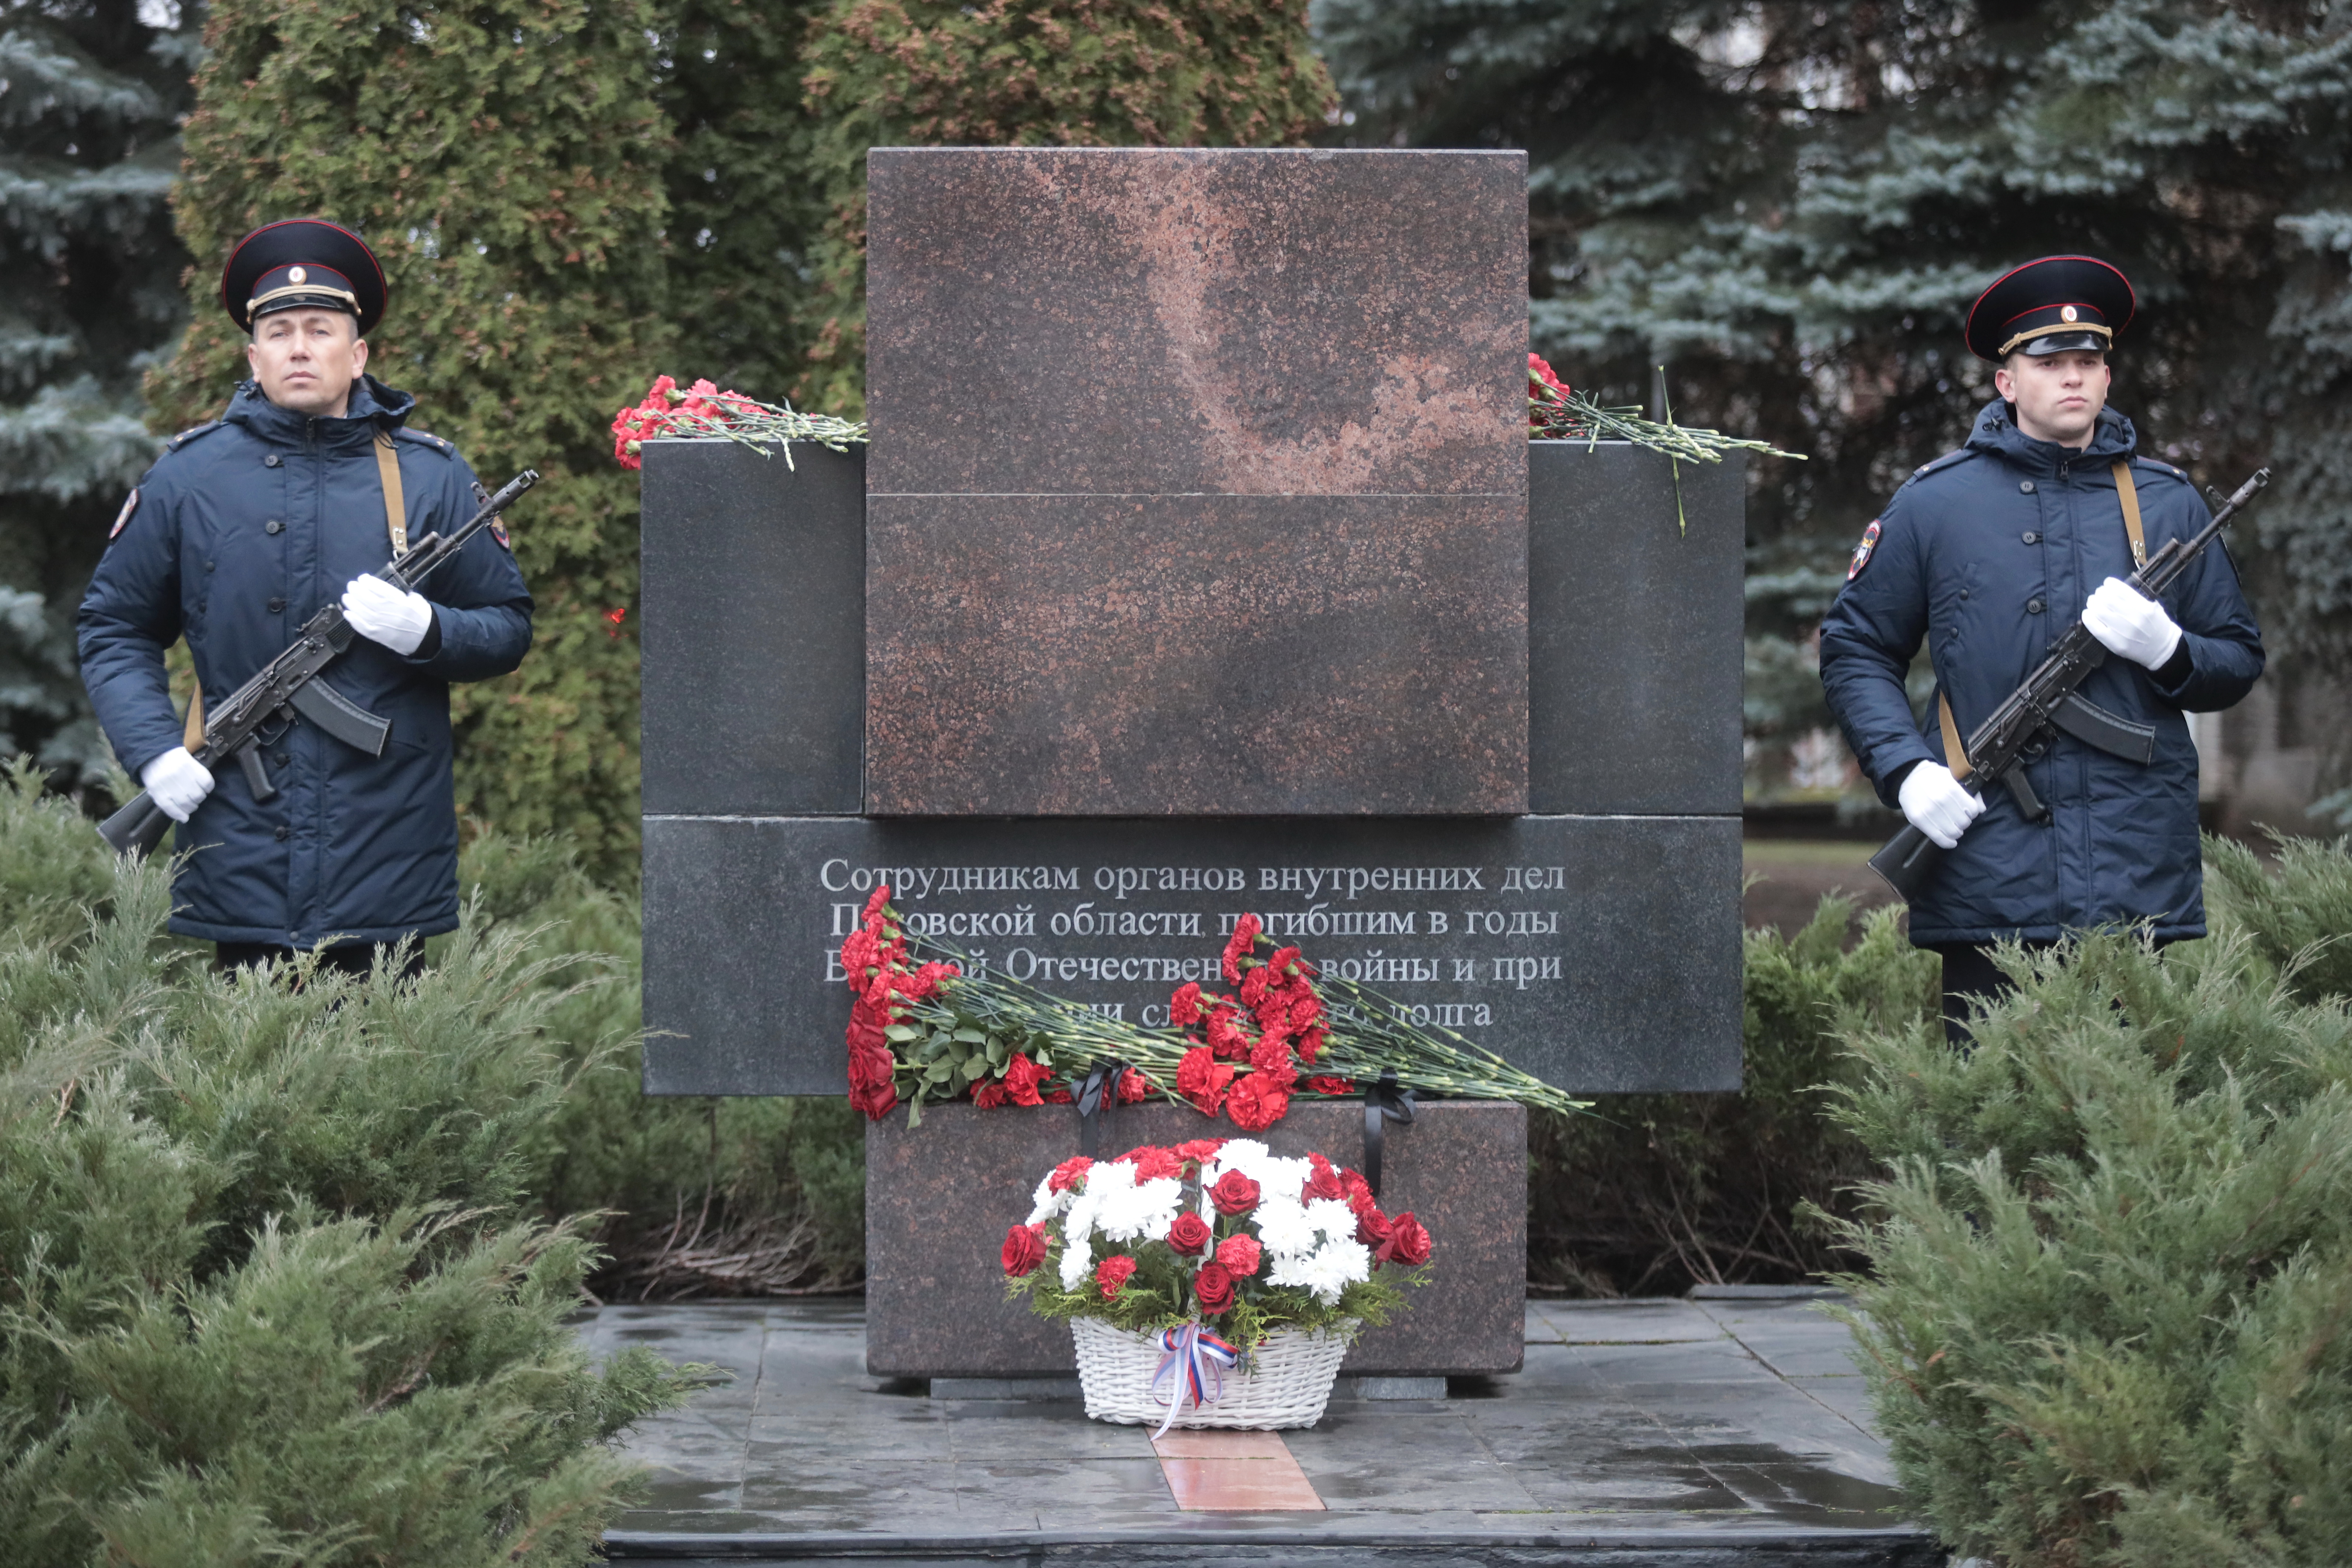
{"x": 703, "y": 410}
{"x": 1274, "y": 1027}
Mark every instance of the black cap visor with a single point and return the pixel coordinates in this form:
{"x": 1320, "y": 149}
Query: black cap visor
{"x": 2063, "y": 342}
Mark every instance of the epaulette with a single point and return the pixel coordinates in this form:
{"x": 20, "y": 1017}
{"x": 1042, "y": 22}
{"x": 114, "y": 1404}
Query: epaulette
{"x": 425, "y": 438}
{"x": 1940, "y": 465}
{"x": 2178, "y": 474}
{"x": 191, "y": 433}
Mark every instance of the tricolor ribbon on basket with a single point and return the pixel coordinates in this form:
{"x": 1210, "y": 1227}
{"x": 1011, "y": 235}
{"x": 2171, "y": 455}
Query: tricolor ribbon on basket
{"x": 1194, "y": 1362}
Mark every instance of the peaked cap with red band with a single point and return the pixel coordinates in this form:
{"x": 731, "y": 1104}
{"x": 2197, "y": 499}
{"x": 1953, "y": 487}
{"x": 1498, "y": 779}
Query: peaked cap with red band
{"x": 302, "y": 264}
{"x": 2050, "y": 306}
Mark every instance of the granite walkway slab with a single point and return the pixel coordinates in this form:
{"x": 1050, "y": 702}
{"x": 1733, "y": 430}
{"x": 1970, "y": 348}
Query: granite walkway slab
{"x": 1686, "y": 1433}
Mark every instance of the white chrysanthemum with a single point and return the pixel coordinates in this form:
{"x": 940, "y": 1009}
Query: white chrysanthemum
{"x": 1049, "y": 1203}
{"x": 1350, "y": 1257}
{"x": 1326, "y": 1274}
{"x": 1126, "y": 1213}
{"x": 1078, "y": 1262}
{"x": 1333, "y": 1219}
{"x": 1282, "y": 1227}
{"x": 1282, "y": 1180}
{"x": 1238, "y": 1153}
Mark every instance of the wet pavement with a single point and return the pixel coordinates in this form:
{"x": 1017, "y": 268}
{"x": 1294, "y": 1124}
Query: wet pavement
{"x": 1691, "y": 1433}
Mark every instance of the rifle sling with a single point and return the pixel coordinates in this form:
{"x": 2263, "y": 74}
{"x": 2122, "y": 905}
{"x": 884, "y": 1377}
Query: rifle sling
{"x": 1956, "y": 754}
{"x": 2128, "y": 494}
{"x": 396, "y": 524}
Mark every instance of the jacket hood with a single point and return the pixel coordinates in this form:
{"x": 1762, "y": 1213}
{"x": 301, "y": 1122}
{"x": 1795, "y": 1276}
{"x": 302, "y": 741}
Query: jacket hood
{"x": 1996, "y": 434}
{"x": 371, "y": 405}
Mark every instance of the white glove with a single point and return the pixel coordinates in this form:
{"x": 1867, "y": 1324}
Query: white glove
{"x": 1937, "y": 804}
{"x": 177, "y": 782}
{"x": 381, "y": 612}
{"x": 2131, "y": 624}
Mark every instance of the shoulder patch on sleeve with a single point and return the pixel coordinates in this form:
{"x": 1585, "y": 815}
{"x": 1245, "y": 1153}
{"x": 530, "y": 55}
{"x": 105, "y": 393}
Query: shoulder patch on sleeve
{"x": 1863, "y": 551}
{"x": 121, "y": 519}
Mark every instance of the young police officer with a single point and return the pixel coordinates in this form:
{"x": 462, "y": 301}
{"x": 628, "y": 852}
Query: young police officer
{"x": 308, "y": 483}
{"x": 1990, "y": 553}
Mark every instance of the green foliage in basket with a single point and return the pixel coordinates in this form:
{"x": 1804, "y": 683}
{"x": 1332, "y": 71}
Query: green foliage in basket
{"x": 1221, "y": 1232}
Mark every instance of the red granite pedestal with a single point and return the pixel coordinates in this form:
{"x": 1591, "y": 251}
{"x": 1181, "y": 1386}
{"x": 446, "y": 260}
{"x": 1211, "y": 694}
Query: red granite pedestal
{"x": 939, "y": 1199}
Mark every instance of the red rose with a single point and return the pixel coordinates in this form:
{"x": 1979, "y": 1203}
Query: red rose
{"x": 1132, "y": 1086}
{"x": 1113, "y": 1272}
{"x": 1024, "y": 1248}
{"x": 1184, "y": 1007}
{"x": 1022, "y": 1077}
{"x": 1371, "y": 1228}
{"x": 1241, "y": 1254}
{"x": 1190, "y": 1235}
{"x": 1214, "y": 1289}
{"x": 876, "y": 1099}
{"x": 1322, "y": 1181}
{"x": 1408, "y": 1243}
{"x": 989, "y": 1095}
{"x": 1243, "y": 941}
{"x": 1257, "y": 1102}
{"x": 1234, "y": 1194}
{"x": 1202, "y": 1079}
{"x": 1066, "y": 1175}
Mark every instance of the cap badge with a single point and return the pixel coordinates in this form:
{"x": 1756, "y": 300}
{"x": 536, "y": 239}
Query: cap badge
{"x": 296, "y": 274}
{"x": 2065, "y": 313}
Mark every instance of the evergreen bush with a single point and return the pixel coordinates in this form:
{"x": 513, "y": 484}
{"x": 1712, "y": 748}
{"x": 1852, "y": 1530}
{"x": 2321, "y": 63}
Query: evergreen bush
{"x": 505, "y": 159}
{"x": 2111, "y": 1260}
{"x": 1028, "y": 73}
{"x": 1652, "y": 1193}
{"x": 271, "y": 1283}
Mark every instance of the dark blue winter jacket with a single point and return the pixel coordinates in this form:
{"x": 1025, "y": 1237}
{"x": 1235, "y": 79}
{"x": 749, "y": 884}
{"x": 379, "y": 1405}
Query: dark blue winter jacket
{"x": 241, "y": 532}
{"x": 1988, "y": 553}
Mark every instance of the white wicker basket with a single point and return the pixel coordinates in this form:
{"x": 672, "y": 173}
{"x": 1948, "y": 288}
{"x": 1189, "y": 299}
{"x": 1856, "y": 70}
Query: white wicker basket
{"x": 1290, "y": 1386}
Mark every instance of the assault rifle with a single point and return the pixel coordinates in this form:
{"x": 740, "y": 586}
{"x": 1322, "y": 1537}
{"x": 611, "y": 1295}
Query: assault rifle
{"x": 1999, "y": 749}
{"x": 290, "y": 686}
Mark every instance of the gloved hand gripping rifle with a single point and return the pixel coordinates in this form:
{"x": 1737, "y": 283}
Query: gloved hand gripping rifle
{"x": 290, "y": 686}
{"x": 2047, "y": 701}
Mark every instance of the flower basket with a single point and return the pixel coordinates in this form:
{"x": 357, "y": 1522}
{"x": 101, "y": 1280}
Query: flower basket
{"x": 1286, "y": 1382}
{"x": 1211, "y": 1284}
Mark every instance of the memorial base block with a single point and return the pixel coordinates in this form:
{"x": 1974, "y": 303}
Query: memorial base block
{"x": 940, "y": 1196}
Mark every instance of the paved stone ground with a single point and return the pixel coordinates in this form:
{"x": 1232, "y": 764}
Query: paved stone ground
{"x": 1705, "y": 1432}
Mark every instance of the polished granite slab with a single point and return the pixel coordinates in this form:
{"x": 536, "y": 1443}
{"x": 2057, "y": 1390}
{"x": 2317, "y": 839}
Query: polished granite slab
{"x": 1657, "y": 1432}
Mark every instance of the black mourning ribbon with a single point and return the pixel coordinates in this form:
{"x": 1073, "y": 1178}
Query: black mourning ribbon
{"x": 1383, "y": 1103}
{"x": 1097, "y": 1100}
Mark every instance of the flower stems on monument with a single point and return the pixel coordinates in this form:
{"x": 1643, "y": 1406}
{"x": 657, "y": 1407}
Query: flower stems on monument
{"x": 947, "y": 1027}
{"x": 703, "y": 410}
{"x": 1558, "y": 413}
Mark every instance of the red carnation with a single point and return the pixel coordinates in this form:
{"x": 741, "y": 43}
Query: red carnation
{"x": 1024, "y": 1248}
{"x": 1322, "y": 1181}
{"x": 1242, "y": 1254}
{"x": 1360, "y": 1191}
{"x": 1061, "y": 1097}
{"x": 1225, "y": 1037}
{"x": 1021, "y": 1078}
{"x": 1213, "y": 1287}
{"x": 1257, "y": 1102}
{"x": 1271, "y": 1056}
{"x": 1202, "y": 1079}
{"x": 1253, "y": 985}
{"x": 1132, "y": 1086}
{"x": 875, "y": 904}
{"x": 1197, "y": 1150}
{"x": 1113, "y": 1272}
{"x": 1310, "y": 1044}
{"x": 1190, "y": 1236}
{"x": 1234, "y": 1194}
{"x": 1544, "y": 387}
{"x": 1153, "y": 1164}
{"x": 1243, "y": 942}
{"x": 859, "y": 952}
{"x": 1066, "y": 1175}
{"x": 1407, "y": 1243}
{"x": 1283, "y": 958}
{"x": 1329, "y": 1086}
{"x": 1184, "y": 1007}
{"x": 989, "y": 1096}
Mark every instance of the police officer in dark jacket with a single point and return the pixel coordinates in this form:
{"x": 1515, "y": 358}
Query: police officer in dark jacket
{"x": 1990, "y": 553}
{"x": 308, "y": 483}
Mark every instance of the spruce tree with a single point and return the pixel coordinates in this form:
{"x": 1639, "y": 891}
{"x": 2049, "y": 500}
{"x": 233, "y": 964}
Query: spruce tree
{"x": 90, "y": 96}
{"x": 1028, "y": 73}
{"x": 1793, "y": 206}
{"x": 505, "y": 159}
